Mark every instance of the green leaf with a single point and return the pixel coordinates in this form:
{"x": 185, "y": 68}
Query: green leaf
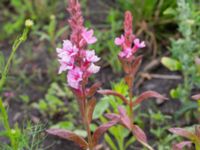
{"x": 185, "y": 108}
{"x": 170, "y": 11}
{"x": 42, "y": 105}
{"x": 53, "y": 100}
{"x": 2, "y": 62}
{"x": 61, "y": 31}
{"x": 129, "y": 142}
{"x": 81, "y": 133}
{"x": 16, "y": 3}
{"x": 171, "y": 64}
{"x": 110, "y": 142}
{"x": 174, "y": 93}
{"x": 101, "y": 107}
{"x": 25, "y": 98}
{"x": 64, "y": 125}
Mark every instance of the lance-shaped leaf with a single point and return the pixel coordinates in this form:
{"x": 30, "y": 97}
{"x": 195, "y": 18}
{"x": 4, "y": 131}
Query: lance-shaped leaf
{"x": 181, "y": 145}
{"x": 124, "y": 118}
{"x": 196, "y": 97}
{"x": 197, "y": 132}
{"x": 184, "y": 133}
{"x": 141, "y": 136}
{"x": 135, "y": 66}
{"x": 112, "y": 116}
{"x": 101, "y": 130}
{"x": 111, "y": 92}
{"x": 92, "y": 90}
{"x": 90, "y": 109}
{"x": 68, "y": 135}
{"x": 146, "y": 95}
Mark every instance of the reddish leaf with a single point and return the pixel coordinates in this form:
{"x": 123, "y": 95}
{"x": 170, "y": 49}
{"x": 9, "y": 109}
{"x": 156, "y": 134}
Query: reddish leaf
{"x": 197, "y": 132}
{"x": 111, "y": 92}
{"x": 183, "y": 133}
{"x": 92, "y": 90}
{"x": 147, "y": 95}
{"x": 135, "y": 66}
{"x": 112, "y": 116}
{"x": 90, "y": 109}
{"x": 101, "y": 130}
{"x": 196, "y": 97}
{"x": 124, "y": 118}
{"x": 68, "y": 135}
{"x": 141, "y": 136}
{"x": 181, "y": 145}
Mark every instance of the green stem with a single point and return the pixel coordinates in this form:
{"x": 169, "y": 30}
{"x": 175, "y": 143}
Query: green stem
{"x": 14, "y": 49}
{"x": 7, "y": 125}
{"x": 197, "y": 146}
{"x": 3, "y": 111}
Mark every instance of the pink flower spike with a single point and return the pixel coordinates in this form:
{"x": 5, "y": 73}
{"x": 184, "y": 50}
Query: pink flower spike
{"x": 139, "y": 44}
{"x": 119, "y": 40}
{"x": 88, "y": 36}
{"x": 93, "y": 69}
{"x": 91, "y": 57}
{"x": 74, "y": 77}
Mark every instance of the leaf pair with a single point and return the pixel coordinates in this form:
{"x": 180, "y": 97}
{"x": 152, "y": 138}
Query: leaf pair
{"x": 124, "y": 120}
{"x": 192, "y": 137}
{"x": 68, "y": 135}
{"x": 141, "y": 98}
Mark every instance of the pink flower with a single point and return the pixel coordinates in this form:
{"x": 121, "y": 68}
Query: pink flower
{"x": 93, "y": 68}
{"x": 68, "y": 50}
{"x": 91, "y": 57}
{"x": 88, "y": 36}
{"x": 120, "y": 40}
{"x": 65, "y": 64}
{"x": 126, "y": 53}
{"x": 139, "y": 44}
{"x": 74, "y": 77}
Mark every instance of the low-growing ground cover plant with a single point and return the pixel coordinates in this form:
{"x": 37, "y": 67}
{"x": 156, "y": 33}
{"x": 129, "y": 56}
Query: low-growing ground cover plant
{"x": 185, "y": 50}
{"x": 193, "y": 137}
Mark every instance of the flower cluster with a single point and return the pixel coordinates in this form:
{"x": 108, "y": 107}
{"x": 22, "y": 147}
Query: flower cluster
{"x": 74, "y": 56}
{"x": 128, "y": 42}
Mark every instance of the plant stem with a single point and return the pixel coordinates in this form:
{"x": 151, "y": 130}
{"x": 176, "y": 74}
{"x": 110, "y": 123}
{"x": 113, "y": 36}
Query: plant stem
{"x": 14, "y": 49}
{"x": 131, "y": 100}
{"x": 7, "y": 125}
{"x": 197, "y": 146}
{"x": 3, "y": 111}
{"x": 85, "y": 118}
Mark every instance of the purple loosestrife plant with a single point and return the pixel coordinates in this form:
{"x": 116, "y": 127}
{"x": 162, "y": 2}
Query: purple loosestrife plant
{"x": 129, "y": 46}
{"x": 192, "y": 137}
{"x": 79, "y": 63}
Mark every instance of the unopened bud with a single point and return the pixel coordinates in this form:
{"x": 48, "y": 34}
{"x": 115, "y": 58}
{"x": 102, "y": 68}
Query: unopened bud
{"x": 52, "y": 17}
{"x": 29, "y": 23}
